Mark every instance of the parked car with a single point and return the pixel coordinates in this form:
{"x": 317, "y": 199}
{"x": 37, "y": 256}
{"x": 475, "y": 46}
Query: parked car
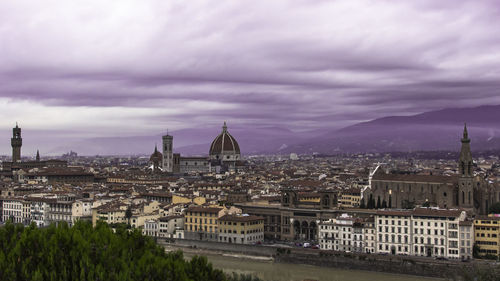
{"x": 307, "y": 245}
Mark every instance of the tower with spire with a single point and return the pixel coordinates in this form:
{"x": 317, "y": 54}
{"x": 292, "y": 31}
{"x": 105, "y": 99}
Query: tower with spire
{"x": 16, "y": 141}
{"x": 37, "y": 155}
{"x": 466, "y": 173}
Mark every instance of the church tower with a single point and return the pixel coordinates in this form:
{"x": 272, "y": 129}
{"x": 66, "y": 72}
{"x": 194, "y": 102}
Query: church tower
{"x": 466, "y": 174}
{"x": 168, "y": 157}
{"x": 16, "y": 141}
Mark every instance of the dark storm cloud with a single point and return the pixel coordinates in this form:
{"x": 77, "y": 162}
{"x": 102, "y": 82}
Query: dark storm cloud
{"x": 138, "y": 67}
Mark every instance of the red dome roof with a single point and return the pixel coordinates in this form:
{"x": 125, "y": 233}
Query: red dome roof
{"x": 224, "y": 143}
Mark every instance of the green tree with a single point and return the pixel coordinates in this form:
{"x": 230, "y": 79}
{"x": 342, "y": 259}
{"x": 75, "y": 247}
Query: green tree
{"x": 384, "y": 204}
{"x": 128, "y": 214}
{"x": 362, "y": 204}
{"x": 378, "y": 203}
{"x": 82, "y": 252}
{"x": 495, "y": 208}
{"x": 370, "y": 204}
{"x": 475, "y": 251}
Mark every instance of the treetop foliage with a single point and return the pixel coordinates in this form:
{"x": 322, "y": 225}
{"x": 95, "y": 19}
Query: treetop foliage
{"x": 81, "y": 252}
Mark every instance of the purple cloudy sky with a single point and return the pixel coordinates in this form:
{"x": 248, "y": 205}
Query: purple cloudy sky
{"x": 107, "y": 68}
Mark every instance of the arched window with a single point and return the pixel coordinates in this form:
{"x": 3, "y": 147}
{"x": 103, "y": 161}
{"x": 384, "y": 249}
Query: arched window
{"x": 462, "y": 165}
{"x": 463, "y": 197}
{"x": 326, "y": 200}
{"x": 469, "y": 197}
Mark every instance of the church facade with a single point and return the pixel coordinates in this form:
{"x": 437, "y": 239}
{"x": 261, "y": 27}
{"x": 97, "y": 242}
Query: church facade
{"x": 463, "y": 190}
{"x": 224, "y": 156}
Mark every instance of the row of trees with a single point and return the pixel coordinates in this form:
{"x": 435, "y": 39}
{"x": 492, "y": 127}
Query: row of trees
{"x": 370, "y": 204}
{"x": 82, "y": 253}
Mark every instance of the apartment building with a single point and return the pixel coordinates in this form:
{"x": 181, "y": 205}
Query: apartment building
{"x": 393, "y": 231}
{"x": 487, "y": 235}
{"x": 171, "y": 226}
{"x": 60, "y": 210}
{"x": 421, "y": 232}
{"x": 241, "y": 229}
{"x": 165, "y": 227}
{"x": 350, "y": 198}
{"x": 12, "y": 210}
{"x": 110, "y": 213}
{"x": 337, "y": 233}
{"x": 436, "y": 232}
{"x": 81, "y": 210}
{"x": 201, "y": 222}
{"x": 369, "y": 235}
{"x": 39, "y": 211}
{"x": 466, "y": 239}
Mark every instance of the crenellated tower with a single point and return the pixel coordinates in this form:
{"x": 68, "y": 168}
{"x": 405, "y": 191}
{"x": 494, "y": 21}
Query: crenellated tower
{"x": 16, "y": 141}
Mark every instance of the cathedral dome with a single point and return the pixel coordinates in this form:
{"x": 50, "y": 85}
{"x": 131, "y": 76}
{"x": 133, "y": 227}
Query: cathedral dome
{"x": 224, "y": 144}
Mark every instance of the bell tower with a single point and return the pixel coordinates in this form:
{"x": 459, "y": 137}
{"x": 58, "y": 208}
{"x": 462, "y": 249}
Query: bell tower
{"x": 168, "y": 157}
{"x": 466, "y": 173}
{"x": 16, "y": 141}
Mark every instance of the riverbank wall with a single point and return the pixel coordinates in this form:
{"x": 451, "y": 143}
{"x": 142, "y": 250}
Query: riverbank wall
{"x": 417, "y": 266}
{"x": 222, "y": 247}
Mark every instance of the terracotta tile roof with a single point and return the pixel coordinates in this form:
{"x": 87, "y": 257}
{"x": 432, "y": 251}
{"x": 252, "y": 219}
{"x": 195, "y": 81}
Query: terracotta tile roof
{"x": 415, "y": 178}
{"x": 167, "y": 218}
{"x": 157, "y": 194}
{"x": 485, "y": 218}
{"x": 421, "y": 212}
{"x": 428, "y": 212}
{"x": 240, "y": 218}
{"x": 403, "y": 213}
{"x": 198, "y": 209}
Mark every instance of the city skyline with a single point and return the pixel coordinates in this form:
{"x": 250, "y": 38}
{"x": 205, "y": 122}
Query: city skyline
{"x": 139, "y": 68}
{"x": 250, "y": 140}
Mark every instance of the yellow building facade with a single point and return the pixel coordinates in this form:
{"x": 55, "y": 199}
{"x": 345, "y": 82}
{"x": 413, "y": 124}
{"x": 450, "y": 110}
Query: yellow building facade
{"x": 241, "y": 229}
{"x": 487, "y": 235}
{"x": 350, "y": 199}
{"x": 110, "y": 215}
{"x": 201, "y": 222}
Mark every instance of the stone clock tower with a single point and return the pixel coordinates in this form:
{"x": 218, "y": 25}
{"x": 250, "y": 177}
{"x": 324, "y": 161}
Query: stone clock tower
{"x": 16, "y": 142}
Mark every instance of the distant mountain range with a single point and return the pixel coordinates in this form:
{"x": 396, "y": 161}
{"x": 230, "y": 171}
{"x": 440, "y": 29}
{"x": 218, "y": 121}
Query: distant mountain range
{"x": 434, "y": 130}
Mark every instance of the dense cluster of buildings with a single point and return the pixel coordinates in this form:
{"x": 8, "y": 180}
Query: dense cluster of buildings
{"x": 366, "y": 203}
